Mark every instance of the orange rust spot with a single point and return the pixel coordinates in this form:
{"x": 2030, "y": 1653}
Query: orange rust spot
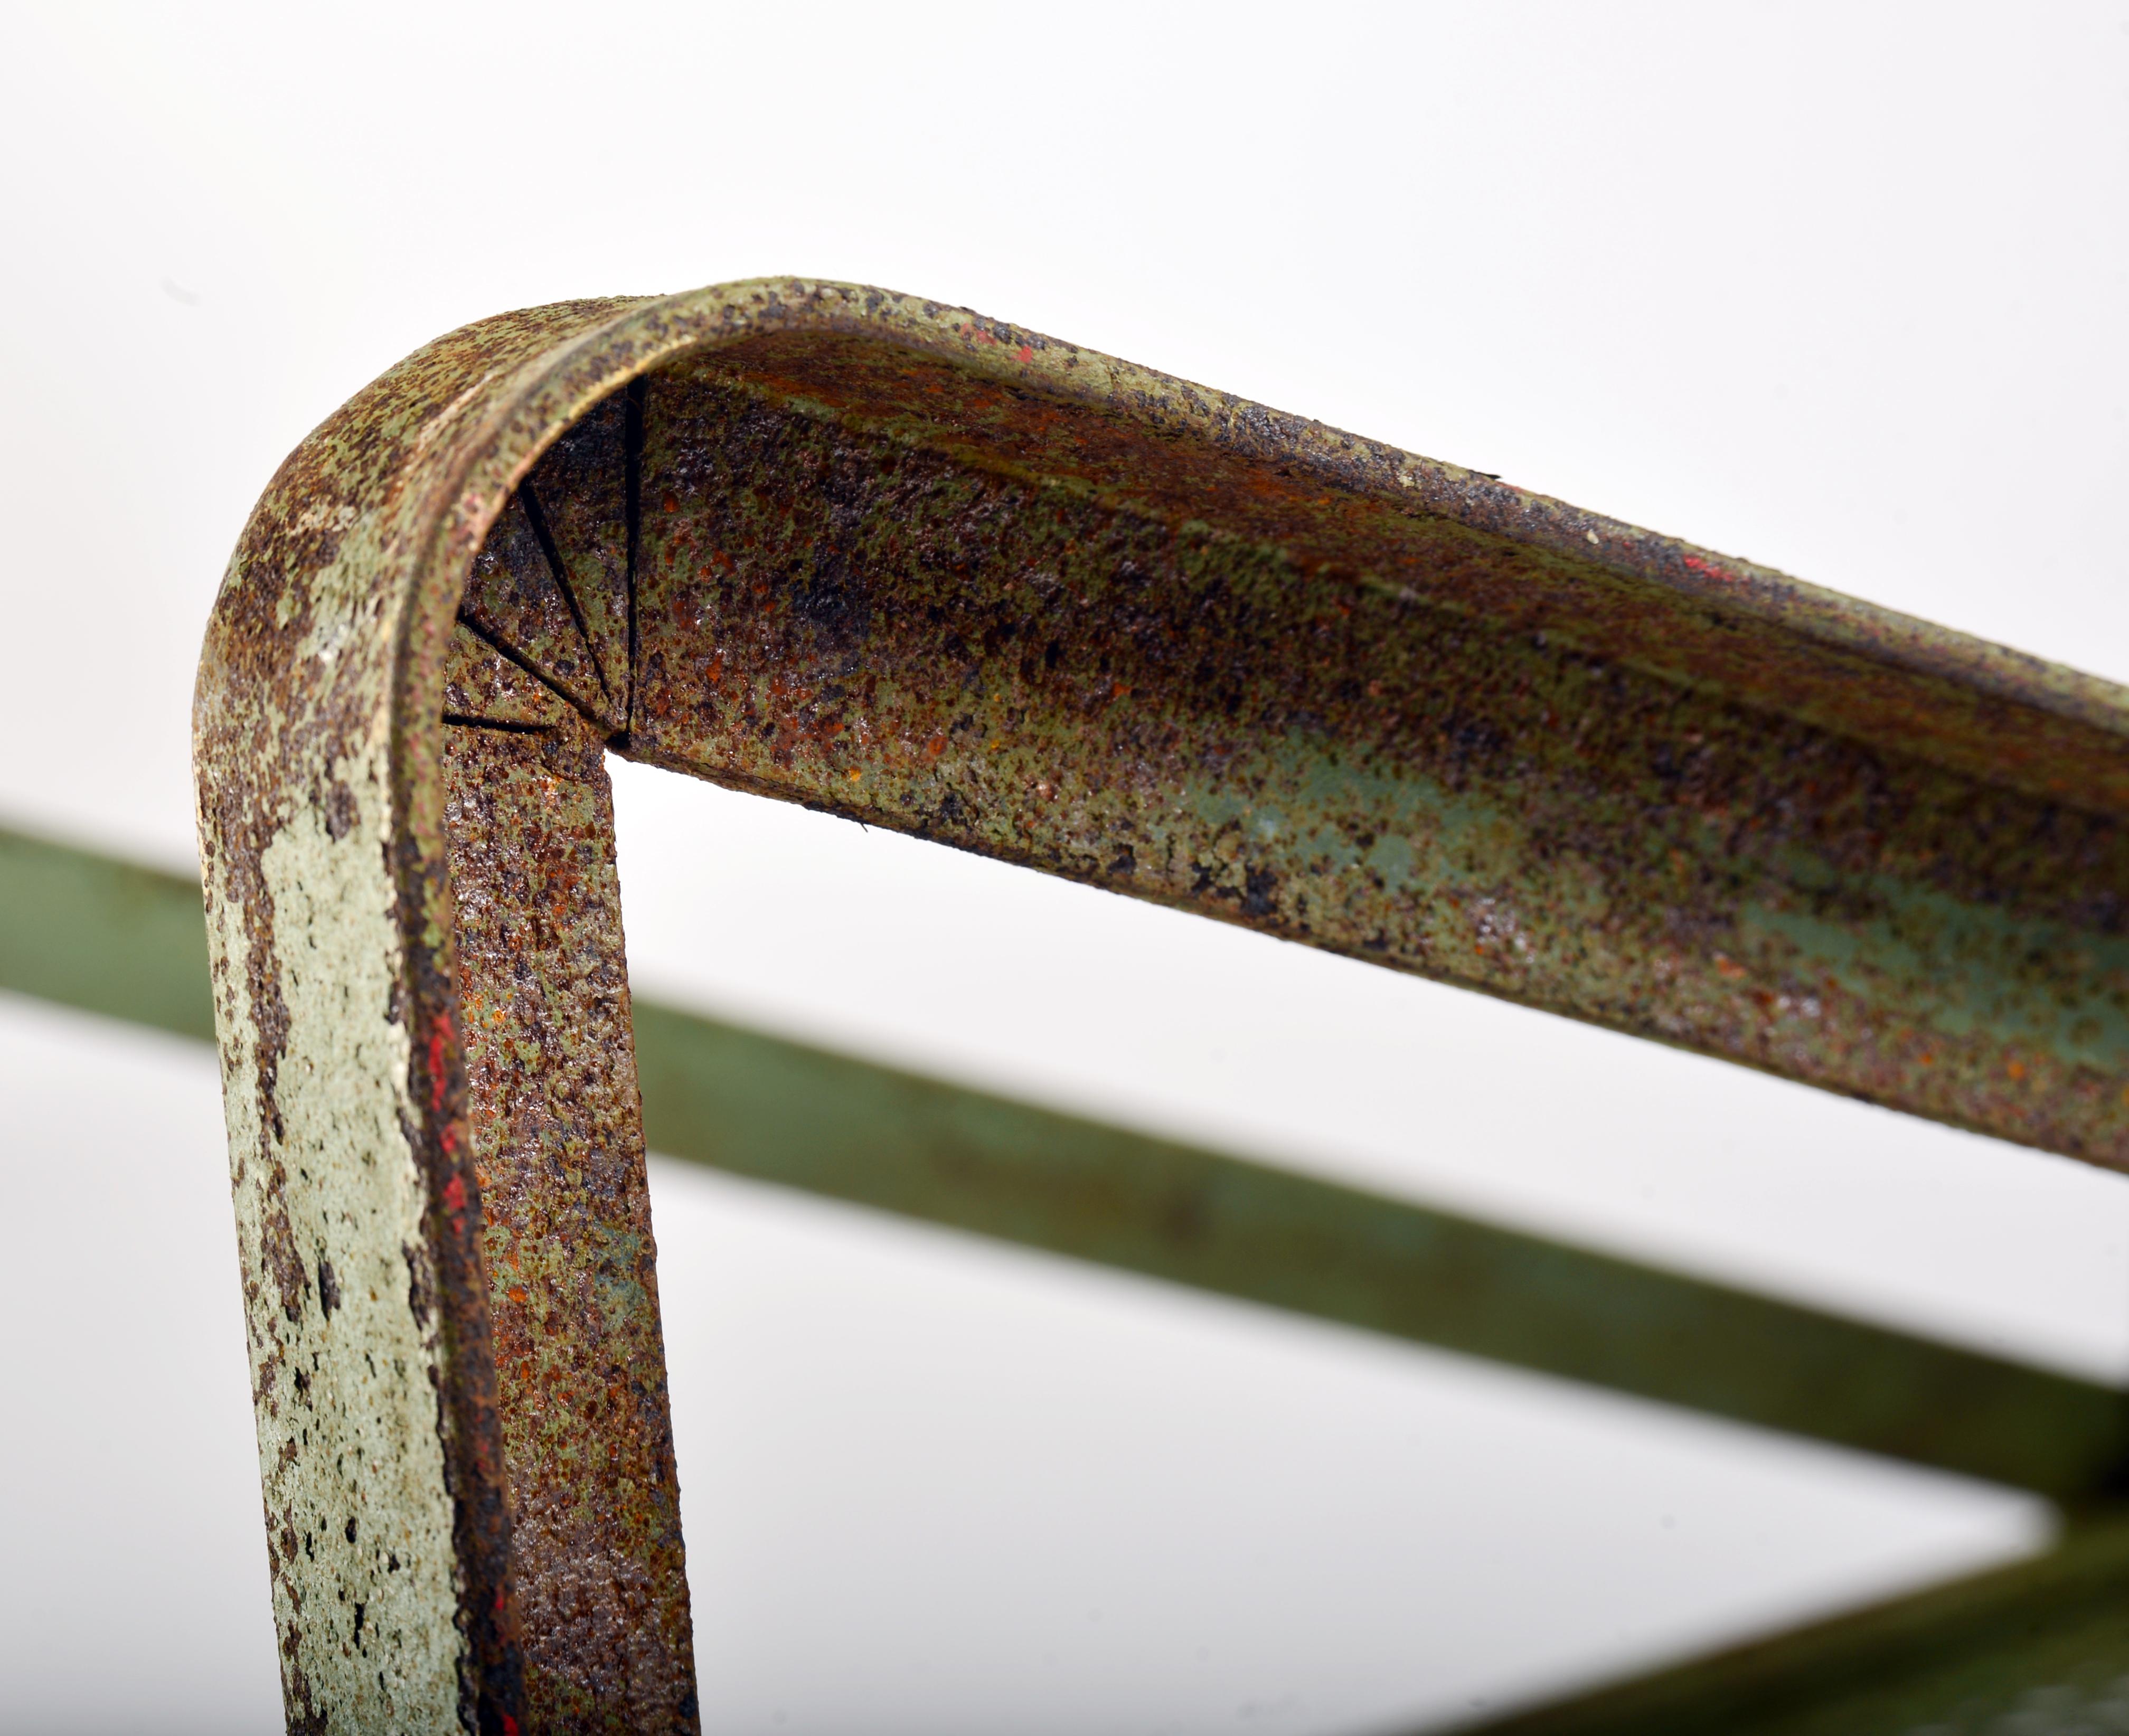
{"x": 1728, "y": 967}
{"x": 2017, "y": 1069}
{"x": 671, "y": 503}
{"x": 935, "y": 747}
{"x": 516, "y": 1292}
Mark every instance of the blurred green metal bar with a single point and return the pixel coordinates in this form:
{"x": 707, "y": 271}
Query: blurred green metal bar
{"x": 127, "y": 942}
{"x": 109, "y": 937}
{"x": 755, "y": 1106}
{"x": 2038, "y": 1649}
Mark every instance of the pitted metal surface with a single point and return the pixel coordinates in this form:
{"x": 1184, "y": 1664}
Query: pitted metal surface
{"x": 558, "y": 1145}
{"x": 876, "y": 585}
{"x": 933, "y": 572}
{"x": 358, "y": 1214}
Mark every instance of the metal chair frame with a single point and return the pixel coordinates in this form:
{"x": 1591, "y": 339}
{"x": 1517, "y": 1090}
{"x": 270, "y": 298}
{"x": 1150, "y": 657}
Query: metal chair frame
{"x": 924, "y": 568}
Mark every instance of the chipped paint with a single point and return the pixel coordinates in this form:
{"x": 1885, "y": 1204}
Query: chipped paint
{"x": 320, "y": 847}
{"x": 933, "y": 572}
{"x": 344, "y": 1362}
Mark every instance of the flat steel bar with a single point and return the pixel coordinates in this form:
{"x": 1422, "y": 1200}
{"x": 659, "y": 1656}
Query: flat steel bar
{"x": 2040, "y": 1649}
{"x": 107, "y": 936}
{"x": 762, "y": 1106}
{"x": 970, "y": 584}
{"x": 937, "y": 572}
{"x": 781, "y": 1112}
{"x": 558, "y": 1149}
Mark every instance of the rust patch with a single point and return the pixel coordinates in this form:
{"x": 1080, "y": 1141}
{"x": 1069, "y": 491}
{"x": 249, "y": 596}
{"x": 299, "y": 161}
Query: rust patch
{"x": 558, "y": 1138}
{"x": 355, "y": 1158}
{"x": 934, "y": 572}
{"x": 518, "y": 602}
{"x": 876, "y": 583}
{"x": 481, "y": 685}
{"x": 580, "y": 490}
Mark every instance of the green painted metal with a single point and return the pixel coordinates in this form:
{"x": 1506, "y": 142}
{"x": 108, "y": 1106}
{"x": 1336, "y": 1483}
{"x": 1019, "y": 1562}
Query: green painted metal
{"x": 2037, "y": 1649}
{"x": 125, "y": 940}
{"x": 107, "y": 936}
{"x": 934, "y": 572}
{"x": 780, "y": 1111}
{"x": 946, "y": 575}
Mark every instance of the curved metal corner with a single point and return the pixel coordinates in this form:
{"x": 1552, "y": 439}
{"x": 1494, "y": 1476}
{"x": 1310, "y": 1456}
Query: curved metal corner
{"x": 921, "y": 567}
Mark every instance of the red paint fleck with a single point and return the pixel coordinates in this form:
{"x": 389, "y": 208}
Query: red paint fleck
{"x": 509, "y": 1725}
{"x": 1709, "y": 569}
{"x": 1026, "y": 353}
{"x": 454, "y": 1198}
{"x": 440, "y": 1033}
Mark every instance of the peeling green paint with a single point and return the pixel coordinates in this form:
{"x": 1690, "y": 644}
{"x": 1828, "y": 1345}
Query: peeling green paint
{"x": 931, "y": 571}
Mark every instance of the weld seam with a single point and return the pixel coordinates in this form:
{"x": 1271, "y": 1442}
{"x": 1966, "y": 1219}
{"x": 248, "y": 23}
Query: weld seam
{"x": 633, "y": 399}
{"x": 537, "y": 519}
{"x": 508, "y": 725}
{"x": 511, "y": 654}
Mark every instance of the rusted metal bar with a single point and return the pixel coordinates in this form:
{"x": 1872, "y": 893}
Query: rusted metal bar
{"x": 558, "y": 1148}
{"x": 2037, "y": 1649}
{"x": 127, "y": 941}
{"x": 937, "y": 572}
{"x": 958, "y": 579}
{"x": 762, "y": 1106}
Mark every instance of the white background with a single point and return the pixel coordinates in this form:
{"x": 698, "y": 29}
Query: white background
{"x": 1837, "y": 287}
